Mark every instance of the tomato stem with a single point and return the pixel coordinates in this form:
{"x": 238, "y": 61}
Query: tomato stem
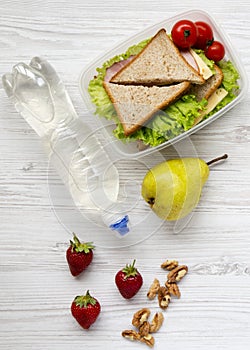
{"x": 186, "y": 33}
{"x": 209, "y": 42}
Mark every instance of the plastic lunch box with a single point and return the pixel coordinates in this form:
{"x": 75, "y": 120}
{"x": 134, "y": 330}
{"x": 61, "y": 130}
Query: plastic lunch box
{"x": 130, "y": 149}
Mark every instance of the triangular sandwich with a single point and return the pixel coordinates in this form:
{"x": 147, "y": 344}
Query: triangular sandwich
{"x": 135, "y": 105}
{"x": 159, "y": 63}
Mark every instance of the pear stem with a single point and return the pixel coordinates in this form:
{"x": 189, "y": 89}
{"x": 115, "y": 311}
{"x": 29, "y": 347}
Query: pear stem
{"x": 225, "y": 156}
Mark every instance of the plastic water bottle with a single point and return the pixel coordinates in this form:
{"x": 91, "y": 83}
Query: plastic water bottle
{"x": 79, "y": 158}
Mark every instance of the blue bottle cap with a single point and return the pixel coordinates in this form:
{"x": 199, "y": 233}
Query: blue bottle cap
{"x": 121, "y": 226}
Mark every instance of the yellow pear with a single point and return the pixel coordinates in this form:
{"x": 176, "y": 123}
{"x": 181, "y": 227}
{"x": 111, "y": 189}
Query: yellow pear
{"x": 173, "y": 188}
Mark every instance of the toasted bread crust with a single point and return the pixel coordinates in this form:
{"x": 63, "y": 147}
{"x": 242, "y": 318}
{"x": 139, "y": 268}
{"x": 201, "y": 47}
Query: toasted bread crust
{"x": 209, "y": 87}
{"x": 130, "y": 126}
{"x": 195, "y": 77}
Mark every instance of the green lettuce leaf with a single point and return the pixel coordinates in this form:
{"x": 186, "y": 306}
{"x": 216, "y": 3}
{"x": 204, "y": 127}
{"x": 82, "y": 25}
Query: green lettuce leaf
{"x": 231, "y": 76}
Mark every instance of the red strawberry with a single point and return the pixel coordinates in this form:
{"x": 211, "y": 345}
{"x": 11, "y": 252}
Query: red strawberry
{"x": 128, "y": 281}
{"x": 79, "y": 255}
{"x": 85, "y": 309}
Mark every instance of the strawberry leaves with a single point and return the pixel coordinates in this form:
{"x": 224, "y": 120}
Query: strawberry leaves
{"x": 79, "y": 247}
{"x": 84, "y": 300}
{"x": 130, "y": 270}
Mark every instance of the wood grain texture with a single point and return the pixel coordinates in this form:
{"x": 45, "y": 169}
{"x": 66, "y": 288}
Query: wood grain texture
{"x": 36, "y": 287}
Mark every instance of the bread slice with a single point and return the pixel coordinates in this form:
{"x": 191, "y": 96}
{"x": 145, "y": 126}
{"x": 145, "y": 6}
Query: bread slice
{"x": 135, "y": 105}
{"x": 159, "y": 63}
{"x": 209, "y": 87}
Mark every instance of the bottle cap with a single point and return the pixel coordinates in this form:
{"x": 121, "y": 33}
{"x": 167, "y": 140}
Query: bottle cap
{"x": 121, "y": 226}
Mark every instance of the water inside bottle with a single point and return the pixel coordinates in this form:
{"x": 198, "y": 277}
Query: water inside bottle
{"x": 76, "y": 153}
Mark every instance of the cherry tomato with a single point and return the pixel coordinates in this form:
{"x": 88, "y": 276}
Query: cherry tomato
{"x": 204, "y": 35}
{"x": 184, "y": 34}
{"x": 215, "y": 52}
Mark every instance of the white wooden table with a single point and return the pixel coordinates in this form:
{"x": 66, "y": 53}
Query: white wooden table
{"x": 36, "y": 288}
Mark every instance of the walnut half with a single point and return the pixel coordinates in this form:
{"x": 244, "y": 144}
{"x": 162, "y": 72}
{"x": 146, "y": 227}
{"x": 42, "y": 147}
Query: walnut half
{"x": 131, "y": 334}
{"x": 157, "y": 322}
{"x": 177, "y": 273}
{"x": 140, "y": 317}
{"x": 169, "y": 265}
{"x": 173, "y": 289}
{"x": 163, "y": 297}
{"x": 149, "y": 340}
{"x": 153, "y": 290}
